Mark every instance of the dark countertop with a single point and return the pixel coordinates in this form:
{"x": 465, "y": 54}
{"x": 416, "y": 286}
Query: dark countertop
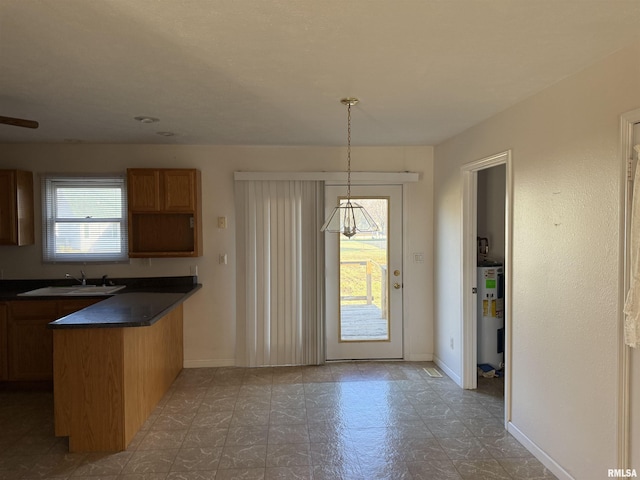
{"x": 128, "y": 309}
{"x": 140, "y": 304}
{"x": 9, "y": 289}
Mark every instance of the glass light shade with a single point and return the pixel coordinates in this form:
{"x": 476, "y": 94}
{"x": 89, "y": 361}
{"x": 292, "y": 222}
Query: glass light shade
{"x": 349, "y": 218}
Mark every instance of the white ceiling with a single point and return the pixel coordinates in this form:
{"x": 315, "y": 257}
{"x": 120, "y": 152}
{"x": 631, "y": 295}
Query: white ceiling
{"x": 272, "y": 72}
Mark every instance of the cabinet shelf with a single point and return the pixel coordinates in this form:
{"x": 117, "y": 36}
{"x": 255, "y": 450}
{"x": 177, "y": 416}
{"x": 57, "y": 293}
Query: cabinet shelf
{"x": 162, "y": 233}
{"x": 164, "y": 213}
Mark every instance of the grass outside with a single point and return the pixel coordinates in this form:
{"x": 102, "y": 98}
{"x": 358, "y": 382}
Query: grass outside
{"x": 353, "y": 278}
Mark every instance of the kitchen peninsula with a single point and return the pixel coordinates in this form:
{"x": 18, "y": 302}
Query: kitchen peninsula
{"x": 112, "y": 363}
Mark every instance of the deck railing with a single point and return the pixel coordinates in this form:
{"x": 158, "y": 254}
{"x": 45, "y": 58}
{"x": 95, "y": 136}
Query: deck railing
{"x": 369, "y": 298}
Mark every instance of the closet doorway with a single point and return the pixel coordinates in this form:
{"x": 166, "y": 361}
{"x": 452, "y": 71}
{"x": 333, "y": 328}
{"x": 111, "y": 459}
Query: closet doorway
{"x": 476, "y": 179}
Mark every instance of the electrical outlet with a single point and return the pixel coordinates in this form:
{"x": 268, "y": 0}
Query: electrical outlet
{"x": 451, "y": 343}
{"x": 222, "y": 222}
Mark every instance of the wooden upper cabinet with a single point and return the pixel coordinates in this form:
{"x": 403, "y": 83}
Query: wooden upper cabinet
{"x": 164, "y": 212}
{"x": 16, "y": 208}
{"x": 162, "y": 190}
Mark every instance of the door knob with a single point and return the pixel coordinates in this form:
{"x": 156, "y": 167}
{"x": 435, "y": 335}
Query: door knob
{"x": 396, "y": 285}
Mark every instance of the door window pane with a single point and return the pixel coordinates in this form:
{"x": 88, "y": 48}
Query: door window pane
{"x": 364, "y": 295}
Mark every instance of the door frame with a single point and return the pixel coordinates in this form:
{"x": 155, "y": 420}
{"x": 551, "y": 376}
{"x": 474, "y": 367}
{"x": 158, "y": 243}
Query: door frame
{"x": 627, "y": 122}
{"x": 469, "y": 326}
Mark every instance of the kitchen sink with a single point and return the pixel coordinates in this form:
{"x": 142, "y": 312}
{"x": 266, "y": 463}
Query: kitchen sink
{"x": 74, "y": 291}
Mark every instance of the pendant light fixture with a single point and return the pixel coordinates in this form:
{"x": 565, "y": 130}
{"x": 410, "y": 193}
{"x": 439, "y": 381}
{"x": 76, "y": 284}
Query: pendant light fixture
{"x": 349, "y": 218}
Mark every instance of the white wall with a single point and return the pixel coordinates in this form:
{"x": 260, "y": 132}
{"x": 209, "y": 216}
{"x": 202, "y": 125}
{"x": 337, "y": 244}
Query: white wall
{"x": 210, "y": 314}
{"x": 566, "y": 171}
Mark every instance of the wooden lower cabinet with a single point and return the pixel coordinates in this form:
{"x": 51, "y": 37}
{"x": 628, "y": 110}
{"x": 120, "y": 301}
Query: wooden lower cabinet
{"x": 72, "y": 305}
{"x": 107, "y": 381}
{"x": 29, "y": 344}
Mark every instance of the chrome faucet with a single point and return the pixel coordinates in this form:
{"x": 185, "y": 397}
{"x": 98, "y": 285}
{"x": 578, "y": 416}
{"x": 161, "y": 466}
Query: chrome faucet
{"x": 82, "y": 279}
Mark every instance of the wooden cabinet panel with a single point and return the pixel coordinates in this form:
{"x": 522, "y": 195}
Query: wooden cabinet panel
{"x": 109, "y": 380}
{"x": 16, "y": 208}
{"x": 3, "y": 342}
{"x": 29, "y": 343}
{"x": 24, "y": 192}
{"x": 177, "y": 237}
{"x": 8, "y": 211}
{"x": 161, "y": 190}
{"x": 143, "y": 190}
{"x": 164, "y": 212}
{"x": 179, "y": 193}
{"x": 30, "y": 349}
{"x": 67, "y": 307}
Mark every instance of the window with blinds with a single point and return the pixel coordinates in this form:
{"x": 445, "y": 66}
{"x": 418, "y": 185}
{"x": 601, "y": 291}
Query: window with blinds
{"x": 84, "y": 219}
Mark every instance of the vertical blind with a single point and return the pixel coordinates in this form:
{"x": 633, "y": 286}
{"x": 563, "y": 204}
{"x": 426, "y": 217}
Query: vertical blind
{"x": 84, "y": 219}
{"x": 280, "y": 275}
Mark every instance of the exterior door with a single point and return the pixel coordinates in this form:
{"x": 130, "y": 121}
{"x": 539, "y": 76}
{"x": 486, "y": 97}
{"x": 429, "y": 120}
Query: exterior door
{"x": 364, "y": 279}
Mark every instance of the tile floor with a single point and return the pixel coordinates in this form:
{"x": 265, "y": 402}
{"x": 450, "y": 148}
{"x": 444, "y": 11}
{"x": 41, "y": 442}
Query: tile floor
{"x": 361, "y": 421}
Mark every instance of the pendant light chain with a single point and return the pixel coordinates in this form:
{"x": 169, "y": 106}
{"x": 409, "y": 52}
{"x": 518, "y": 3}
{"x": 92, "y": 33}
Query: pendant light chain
{"x": 349, "y": 152}
{"x": 349, "y": 218}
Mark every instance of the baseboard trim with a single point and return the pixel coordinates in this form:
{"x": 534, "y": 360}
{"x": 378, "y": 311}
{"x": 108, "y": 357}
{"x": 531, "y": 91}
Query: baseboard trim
{"x": 419, "y": 357}
{"x": 231, "y": 362}
{"x": 211, "y": 363}
{"x": 537, "y": 452}
{"x": 450, "y": 373}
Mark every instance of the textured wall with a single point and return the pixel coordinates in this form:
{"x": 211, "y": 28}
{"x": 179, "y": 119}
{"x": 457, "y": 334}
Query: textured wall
{"x": 566, "y": 206}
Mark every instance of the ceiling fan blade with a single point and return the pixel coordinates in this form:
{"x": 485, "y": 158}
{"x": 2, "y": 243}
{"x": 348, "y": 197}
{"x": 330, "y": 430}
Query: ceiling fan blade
{"x": 19, "y": 122}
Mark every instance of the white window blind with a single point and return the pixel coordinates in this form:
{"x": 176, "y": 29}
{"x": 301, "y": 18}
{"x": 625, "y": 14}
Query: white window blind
{"x": 84, "y": 219}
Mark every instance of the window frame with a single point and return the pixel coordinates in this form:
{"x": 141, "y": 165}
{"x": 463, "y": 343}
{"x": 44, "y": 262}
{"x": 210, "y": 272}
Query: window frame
{"x": 50, "y": 183}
